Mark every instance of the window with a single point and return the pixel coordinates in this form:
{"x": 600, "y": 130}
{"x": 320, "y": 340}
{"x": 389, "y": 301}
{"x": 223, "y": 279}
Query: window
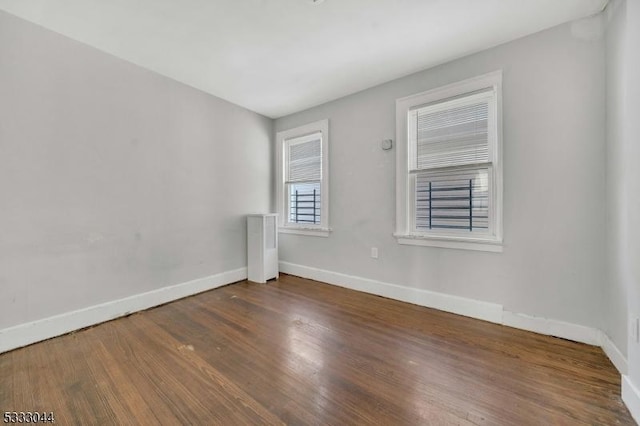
{"x": 449, "y": 171}
{"x": 303, "y": 184}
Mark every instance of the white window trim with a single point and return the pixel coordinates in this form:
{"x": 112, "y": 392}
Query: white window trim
{"x": 404, "y": 233}
{"x": 321, "y": 230}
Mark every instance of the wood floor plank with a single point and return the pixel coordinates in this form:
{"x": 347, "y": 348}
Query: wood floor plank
{"x": 296, "y": 351}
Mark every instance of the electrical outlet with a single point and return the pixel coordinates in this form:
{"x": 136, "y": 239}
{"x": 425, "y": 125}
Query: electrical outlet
{"x": 635, "y": 329}
{"x": 374, "y": 252}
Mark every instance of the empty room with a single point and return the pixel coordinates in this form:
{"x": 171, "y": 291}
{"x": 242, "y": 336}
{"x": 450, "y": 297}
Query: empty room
{"x": 310, "y": 212}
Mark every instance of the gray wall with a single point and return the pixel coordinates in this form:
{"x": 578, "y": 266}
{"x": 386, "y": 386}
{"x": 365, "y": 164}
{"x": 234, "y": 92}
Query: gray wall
{"x": 615, "y": 289}
{"x": 553, "y": 263}
{"x": 114, "y": 180}
{"x": 632, "y": 142}
{"x": 622, "y": 288}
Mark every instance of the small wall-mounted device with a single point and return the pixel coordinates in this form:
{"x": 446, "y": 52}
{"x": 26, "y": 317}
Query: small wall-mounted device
{"x": 387, "y": 144}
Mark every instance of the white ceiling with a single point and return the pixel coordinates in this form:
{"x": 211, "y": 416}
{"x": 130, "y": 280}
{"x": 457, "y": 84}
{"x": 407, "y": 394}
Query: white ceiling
{"x": 277, "y": 57}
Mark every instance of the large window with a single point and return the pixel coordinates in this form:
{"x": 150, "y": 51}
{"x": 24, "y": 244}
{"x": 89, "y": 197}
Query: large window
{"x": 303, "y": 199}
{"x": 449, "y": 171}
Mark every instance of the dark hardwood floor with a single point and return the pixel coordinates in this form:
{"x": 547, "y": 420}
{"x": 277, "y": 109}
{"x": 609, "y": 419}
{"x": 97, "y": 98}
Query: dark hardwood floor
{"x": 297, "y": 351}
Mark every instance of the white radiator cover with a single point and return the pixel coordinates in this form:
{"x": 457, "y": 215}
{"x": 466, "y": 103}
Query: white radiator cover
{"x": 262, "y": 247}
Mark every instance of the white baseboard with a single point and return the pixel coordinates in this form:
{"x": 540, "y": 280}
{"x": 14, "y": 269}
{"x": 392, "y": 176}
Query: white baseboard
{"x": 444, "y": 302}
{"x": 551, "y": 327}
{"x": 615, "y": 355}
{"x": 631, "y": 397}
{"x": 32, "y": 332}
{"x": 492, "y": 312}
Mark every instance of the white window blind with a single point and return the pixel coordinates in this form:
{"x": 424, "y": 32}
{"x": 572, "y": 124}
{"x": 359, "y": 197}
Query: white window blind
{"x": 454, "y": 132}
{"x": 304, "y": 157}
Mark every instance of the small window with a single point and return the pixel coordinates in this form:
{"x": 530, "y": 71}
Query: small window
{"x": 449, "y": 168}
{"x": 303, "y": 181}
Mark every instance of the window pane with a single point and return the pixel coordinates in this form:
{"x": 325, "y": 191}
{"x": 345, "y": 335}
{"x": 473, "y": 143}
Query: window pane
{"x": 459, "y": 201}
{"x": 304, "y": 203}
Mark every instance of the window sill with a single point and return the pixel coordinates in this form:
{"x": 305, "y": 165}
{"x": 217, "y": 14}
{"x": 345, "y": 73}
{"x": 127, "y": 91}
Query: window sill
{"x": 450, "y": 242}
{"x": 314, "y": 232}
